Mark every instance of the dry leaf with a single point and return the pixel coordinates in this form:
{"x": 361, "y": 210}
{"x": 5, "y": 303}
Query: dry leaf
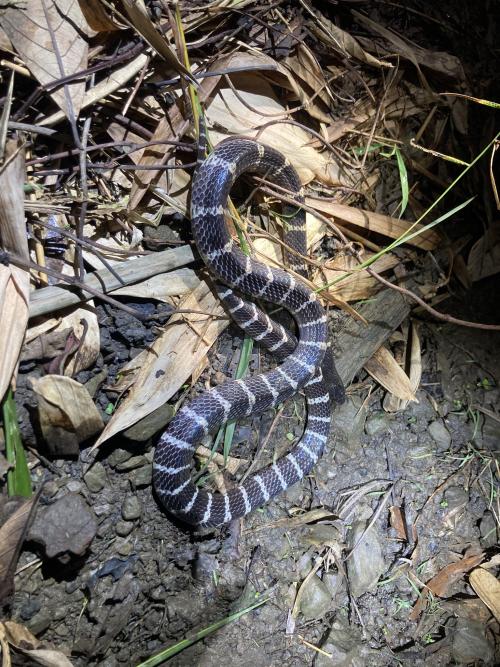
{"x": 376, "y": 222}
{"x": 386, "y": 371}
{"x": 118, "y": 78}
{"x": 357, "y": 285}
{"x": 163, "y": 286}
{"x": 230, "y": 111}
{"x": 47, "y": 34}
{"x": 32, "y": 648}
{"x": 67, "y": 413}
{"x": 98, "y": 16}
{"x": 14, "y": 282}
{"x": 488, "y": 589}
{"x": 12, "y": 532}
{"x": 140, "y": 21}
{"x": 413, "y": 369}
{"x": 484, "y": 257}
{"x": 441, "y": 582}
{"x": 169, "y": 362}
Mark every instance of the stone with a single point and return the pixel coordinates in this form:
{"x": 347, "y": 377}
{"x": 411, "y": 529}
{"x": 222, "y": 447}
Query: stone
{"x": 131, "y": 508}
{"x": 316, "y": 599}
{"x": 142, "y": 476}
{"x": 66, "y": 528}
{"x": 469, "y": 644}
{"x": 147, "y": 427}
{"x": 440, "y": 434}
{"x": 376, "y": 423}
{"x": 95, "y": 477}
{"x": 124, "y": 528}
{"x": 366, "y": 562}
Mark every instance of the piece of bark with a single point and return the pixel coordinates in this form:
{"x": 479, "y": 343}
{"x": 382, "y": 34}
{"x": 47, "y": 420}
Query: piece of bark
{"x": 49, "y": 299}
{"x": 357, "y": 342}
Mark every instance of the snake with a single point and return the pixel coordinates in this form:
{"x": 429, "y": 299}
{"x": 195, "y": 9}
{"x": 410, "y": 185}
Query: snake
{"x": 306, "y": 361}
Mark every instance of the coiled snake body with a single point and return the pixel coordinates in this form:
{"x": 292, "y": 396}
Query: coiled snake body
{"x": 302, "y": 360}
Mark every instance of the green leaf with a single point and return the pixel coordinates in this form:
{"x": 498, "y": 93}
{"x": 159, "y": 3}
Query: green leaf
{"x": 18, "y": 477}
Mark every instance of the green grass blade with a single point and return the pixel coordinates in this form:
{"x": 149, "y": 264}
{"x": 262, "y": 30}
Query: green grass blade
{"x": 246, "y": 352}
{"x": 18, "y": 477}
{"x": 403, "y": 178}
{"x": 165, "y": 655}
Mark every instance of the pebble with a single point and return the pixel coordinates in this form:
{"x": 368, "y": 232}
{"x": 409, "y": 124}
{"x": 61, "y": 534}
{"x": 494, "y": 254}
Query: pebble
{"x": 131, "y": 508}
{"x": 488, "y": 531}
{"x": 142, "y": 476}
{"x": 146, "y": 428}
{"x": 366, "y": 563}
{"x": 124, "y": 528}
{"x": 316, "y": 599}
{"x": 376, "y": 423}
{"x": 440, "y": 434}
{"x": 95, "y": 477}
{"x": 470, "y": 644}
{"x": 131, "y": 463}
{"x": 118, "y": 456}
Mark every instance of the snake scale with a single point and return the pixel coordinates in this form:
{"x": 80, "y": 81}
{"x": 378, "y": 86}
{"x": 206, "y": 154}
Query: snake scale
{"x": 303, "y": 363}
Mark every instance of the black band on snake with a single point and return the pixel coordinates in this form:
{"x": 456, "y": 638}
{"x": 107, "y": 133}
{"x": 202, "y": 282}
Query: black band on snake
{"x": 302, "y": 361}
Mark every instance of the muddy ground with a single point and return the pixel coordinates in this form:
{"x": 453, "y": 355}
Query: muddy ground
{"x": 146, "y": 581}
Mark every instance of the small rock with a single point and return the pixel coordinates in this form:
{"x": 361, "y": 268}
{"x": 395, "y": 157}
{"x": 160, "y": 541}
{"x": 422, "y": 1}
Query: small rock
{"x": 74, "y": 486}
{"x": 346, "y": 648}
{"x": 316, "y": 599}
{"x": 118, "y": 456}
{"x": 95, "y": 477}
{"x": 366, "y": 563}
{"x": 65, "y": 528}
{"x": 131, "y": 463}
{"x": 488, "y": 531}
{"x": 440, "y": 435}
{"x": 470, "y": 643}
{"x": 40, "y": 622}
{"x": 124, "y": 548}
{"x": 376, "y": 423}
{"x": 145, "y": 428}
{"x": 455, "y": 496}
{"x": 142, "y": 476}
{"x": 124, "y": 528}
{"x": 31, "y": 607}
{"x": 50, "y": 488}
{"x": 131, "y": 508}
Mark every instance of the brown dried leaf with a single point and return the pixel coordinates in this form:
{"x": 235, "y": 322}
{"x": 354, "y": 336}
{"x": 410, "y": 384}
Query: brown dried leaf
{"x": 42, "y": 30}
{"x": 376, "y": 222}
{"x": 310, "y": 78}
{"x": 444, "y": 579}
{"x": 244, "y": 112}
{"x": 488, "y": 589}
{"x": 359, "y": 284}
{"x": 484, "y": 257}
{"x": 14, "y": 282}
{"x": 342, "y": 41}
{"x": 169, "y": 362}
{"x": 98, "y": 16}
{"x": 12, "y": 533}
{"x": 118, "y": 78}
{"x": 413, "y": 369}
{"x": 386, "y": 371}
{"x": 140, "y": 21}
{"x": 32, "y": 648}
{"x": 163, "y": 286}
{"x": 67, "y": 413}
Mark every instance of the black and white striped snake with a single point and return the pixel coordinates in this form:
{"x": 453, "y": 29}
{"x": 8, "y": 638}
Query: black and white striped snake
{"x": 304, "y": 364}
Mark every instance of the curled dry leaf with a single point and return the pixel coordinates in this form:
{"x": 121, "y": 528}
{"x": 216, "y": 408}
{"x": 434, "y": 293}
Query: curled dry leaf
{"x": 67, "y": 413}
{"x": 15, "y": 517}
{"x": 170, "y": 361}
{"x": 118, "y": 78}
{"x": 34, "y": 650}
{"x": 14, "y": 282}
{"x": 140, "y": 21}
{"x": 413, "y": 368}
{"x": 357, "y": 285}
{"x": 163, "y": 286}
{"x": 48, "y": 35}
{"x": 244, "y": 112}
{"x": 341, "y": 41}
{"x": 484, "y": 257}
{"x": 488, "y": 589}
{"x": 393, "y": 228}
{"x": 386, "y": 371}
